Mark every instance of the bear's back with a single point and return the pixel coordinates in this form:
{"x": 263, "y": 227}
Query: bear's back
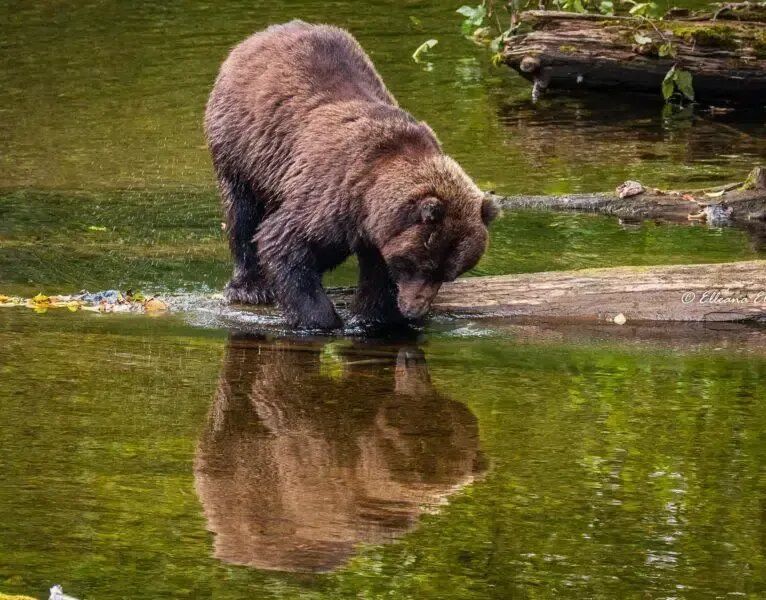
{"x": 301, "y": 61}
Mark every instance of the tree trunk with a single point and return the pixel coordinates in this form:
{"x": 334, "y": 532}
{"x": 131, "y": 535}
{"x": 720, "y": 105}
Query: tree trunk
{"x": 727, "y": 59}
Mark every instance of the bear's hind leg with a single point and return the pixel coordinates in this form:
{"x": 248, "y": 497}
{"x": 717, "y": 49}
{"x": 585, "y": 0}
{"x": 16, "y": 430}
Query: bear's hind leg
{"x": 244, "y": 212}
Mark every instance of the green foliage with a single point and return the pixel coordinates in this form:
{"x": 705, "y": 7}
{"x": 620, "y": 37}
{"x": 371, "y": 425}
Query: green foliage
{"x": 606, "y": 7}
{"x": 423, "y": 49}
{"x": 474, "y": 17}
{"x": 666, "y": 50}
{"x": 645, "y": 9}
{"x": 677, "y": 81}
{"x": 571, "y": 5}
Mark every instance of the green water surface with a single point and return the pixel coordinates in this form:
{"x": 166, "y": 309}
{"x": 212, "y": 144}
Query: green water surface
{"x": 173, "y": 457}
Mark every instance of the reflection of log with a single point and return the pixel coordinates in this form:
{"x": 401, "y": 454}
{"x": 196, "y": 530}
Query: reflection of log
{"x": 722, "y": 337}
{"x": 729, "y": 203}
{"x": 719, "y": 292}
{"x": 569, "y": 50}
{"x": 310, "y": 450}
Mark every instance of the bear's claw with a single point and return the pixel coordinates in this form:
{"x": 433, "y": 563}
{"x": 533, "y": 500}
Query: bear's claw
{"x": 247, "y": 293}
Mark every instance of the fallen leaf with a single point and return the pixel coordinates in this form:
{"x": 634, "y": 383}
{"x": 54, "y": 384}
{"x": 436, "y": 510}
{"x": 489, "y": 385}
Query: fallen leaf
{"x": 155, "y": 305}
{"x": 41, "y": 299}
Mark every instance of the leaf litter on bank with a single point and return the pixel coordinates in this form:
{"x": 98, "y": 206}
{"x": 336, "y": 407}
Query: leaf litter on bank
{"x": 107, "y": 301}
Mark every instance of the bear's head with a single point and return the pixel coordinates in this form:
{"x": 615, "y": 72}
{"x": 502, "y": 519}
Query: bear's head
{"x": 430, "y": 225}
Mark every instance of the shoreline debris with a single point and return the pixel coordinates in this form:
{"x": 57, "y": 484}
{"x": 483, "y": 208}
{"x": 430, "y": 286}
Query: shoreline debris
{"x": 107, "y": 301}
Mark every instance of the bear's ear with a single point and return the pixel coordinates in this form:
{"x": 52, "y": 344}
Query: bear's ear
{"x": 489, "y": 210}
{"x": 431, "y": 210}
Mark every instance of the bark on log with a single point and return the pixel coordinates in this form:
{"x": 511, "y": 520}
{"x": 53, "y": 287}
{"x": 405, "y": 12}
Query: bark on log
{"x": 569, "y": 50}
{"x": 742, "y": 203}
{"x": 712, "y": 292}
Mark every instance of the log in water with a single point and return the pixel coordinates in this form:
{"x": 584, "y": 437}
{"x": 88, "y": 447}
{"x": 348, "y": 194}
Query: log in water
{"x": 727, "y": 58}
{"x": 712, "y": 292}
{"x": 735, "y": 203}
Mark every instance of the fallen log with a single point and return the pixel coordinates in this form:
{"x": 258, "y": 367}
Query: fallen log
{"x": 727, "y": 60}
{"x": 710, "y": 292}
{"x": 741, "y": 203}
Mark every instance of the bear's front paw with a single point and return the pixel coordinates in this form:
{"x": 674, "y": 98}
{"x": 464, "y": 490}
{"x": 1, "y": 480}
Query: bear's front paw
{"x": 247, "y": 293}
{"x": 313, "y": 314}
{"x": 325, "y": 322}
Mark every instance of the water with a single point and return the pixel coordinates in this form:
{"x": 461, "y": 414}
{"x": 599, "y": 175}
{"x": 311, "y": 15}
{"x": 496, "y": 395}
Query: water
{"x": 175, "y": 457}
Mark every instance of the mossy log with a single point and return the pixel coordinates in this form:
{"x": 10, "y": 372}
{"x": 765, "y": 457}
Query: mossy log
{"x": 727, "y": 59}
{"x": 701, "y": 293}
{"x": 740, "y": 203}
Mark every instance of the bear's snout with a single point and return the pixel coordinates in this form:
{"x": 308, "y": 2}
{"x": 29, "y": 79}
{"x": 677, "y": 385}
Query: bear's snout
{"x": 415, "y": 297}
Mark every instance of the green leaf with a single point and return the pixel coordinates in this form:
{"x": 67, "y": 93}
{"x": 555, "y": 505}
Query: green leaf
{"x": 496, "y": 45}
{"x": 474, "y": 15}
{"x": 683, "y": 80}
{"x": 665, "y": 50}
{"x": 668, "y": 87}
{"x": 642, "y": 39}
{"x": 668, "y": 84}
{"x": 606, "y": 7}
{"x": 466, "y": 11}
{"x": 644, "y": 9}
{"x": 424, "y": 47}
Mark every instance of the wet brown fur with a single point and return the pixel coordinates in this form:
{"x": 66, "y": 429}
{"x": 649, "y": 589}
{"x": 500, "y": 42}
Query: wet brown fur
{"x": 315, "y": 161}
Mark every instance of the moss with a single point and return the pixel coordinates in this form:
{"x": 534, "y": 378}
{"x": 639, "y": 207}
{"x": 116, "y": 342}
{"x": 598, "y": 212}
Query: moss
{"x": 759, "y": 44}
{"x": 567, "y": 49}
{"x": 713, "y": 36}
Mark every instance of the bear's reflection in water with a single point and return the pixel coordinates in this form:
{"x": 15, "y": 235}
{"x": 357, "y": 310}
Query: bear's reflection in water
{"x": 310, "y": 450}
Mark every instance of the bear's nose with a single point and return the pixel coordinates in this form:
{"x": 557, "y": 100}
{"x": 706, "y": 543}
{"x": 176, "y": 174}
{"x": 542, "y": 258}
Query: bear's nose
{"x": 415, "y": 312}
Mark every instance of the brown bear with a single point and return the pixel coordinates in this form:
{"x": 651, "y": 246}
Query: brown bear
{"x": 315, "y": 160}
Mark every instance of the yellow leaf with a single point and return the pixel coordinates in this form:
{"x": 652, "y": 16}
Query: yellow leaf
{"x": 41, "y": 299}
{"x": 155, "y": 305}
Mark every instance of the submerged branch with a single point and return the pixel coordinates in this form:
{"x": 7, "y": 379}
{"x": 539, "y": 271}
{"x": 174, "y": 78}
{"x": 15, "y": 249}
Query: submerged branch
{"x": 733, "y": 203}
